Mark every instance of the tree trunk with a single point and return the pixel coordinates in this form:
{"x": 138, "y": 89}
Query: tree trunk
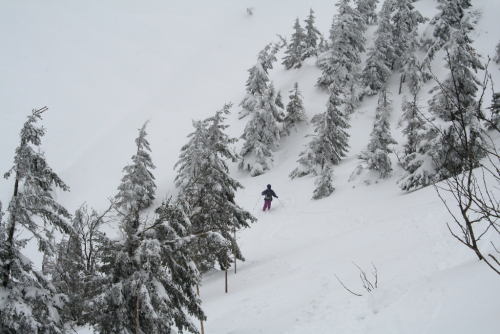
{"x": 10, "y": 239}
{"x": 225, "y": 227}
{"x": 401, "y": 80}
{"x": 137, "y": 312}
{"x": 201, "y": 321}
{"x": 235, "y": 250}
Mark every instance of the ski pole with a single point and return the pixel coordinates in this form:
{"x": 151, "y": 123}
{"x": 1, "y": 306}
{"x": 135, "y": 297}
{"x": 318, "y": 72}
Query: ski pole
{"x": 257, "y": 203}
{"x": 280, "y": 202}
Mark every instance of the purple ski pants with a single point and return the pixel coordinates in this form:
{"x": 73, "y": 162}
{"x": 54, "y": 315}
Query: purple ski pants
{"x": 267, "y": 204}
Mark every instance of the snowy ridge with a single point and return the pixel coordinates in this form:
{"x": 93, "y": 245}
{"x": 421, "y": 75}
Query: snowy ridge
{"x": 109, "y": 67}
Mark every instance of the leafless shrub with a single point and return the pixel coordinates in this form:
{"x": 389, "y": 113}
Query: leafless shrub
{"x": 365, "y": 281}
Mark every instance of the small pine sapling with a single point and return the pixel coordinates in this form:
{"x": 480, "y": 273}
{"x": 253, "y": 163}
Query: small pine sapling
{"x": 295, "y": 112}
{"x": 324, "y": 183}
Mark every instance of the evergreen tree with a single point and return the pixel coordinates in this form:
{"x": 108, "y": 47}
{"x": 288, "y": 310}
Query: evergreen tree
{"x": 405, "y": 21}
{"x": 324, "y": 183}
{"x": 257, "y": 81}
{"x": 458, "y": 143}
{"x": 311, "y": 37}
{"x": 452, "y": 14}
{"x": 295, "y": 111}
{"x": 368, "y": 10}
{"x": 346, "y": 37}
{"x": 377, "y": 152}
{"x": 494, "y": 122}
{"x": 456, "y": 103}
{"x": 457, "y": 93}
{"x": 207, "y": 191}
{"x": 192, "y": 159}
{"x": 261, "y": 133}
{"x": 296, "y": 48}
{"x": 137, "y": 190}
{"x": 149, "y": 277}
{"x": 406, "y": 43}
{"x": 279, "y": 102}
{"x": 496, "y": 58}
{"x": 415, "y": 123}
{"x": 30, "y": 304}
{"x": 381, "y": 56}
{"x": 329, "y": 144}
{"x": 323, "y": 44}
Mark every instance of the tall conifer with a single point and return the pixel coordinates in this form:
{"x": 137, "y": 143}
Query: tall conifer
{"x": 261, "y": 134}
{"x": 330, "y": 143}
{"x": 137, "y": 189}
{"x": 312, "y": 35}
{"x": 207, "y": 191}
{"x": 296, "y": 48}
{"x": 30, "y": 303}
{"x": 376, "y": 154}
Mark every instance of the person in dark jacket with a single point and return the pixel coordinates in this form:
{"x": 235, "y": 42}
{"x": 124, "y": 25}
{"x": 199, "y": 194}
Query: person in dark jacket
{"x": 268, "y": 197}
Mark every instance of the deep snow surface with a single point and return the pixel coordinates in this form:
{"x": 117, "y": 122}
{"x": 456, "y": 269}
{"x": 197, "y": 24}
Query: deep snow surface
{"x": 104, "y": 68}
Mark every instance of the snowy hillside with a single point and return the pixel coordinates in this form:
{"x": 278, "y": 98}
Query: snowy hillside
{"x": 104, "y": 68}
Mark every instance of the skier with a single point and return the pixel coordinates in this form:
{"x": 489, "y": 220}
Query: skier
{"x": 268, "y": 193}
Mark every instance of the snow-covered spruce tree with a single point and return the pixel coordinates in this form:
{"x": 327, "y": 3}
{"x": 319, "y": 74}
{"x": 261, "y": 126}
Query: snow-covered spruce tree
{"x": 452, "y": 14}
{"x": 311, "y": 37}
{"x": 296, "y": 48}
{"x": 406, "y": 43}
{"x": 29, "y": 303}
{"x": 376, "y": 154}
{"x": 381, "y": 56}
{"x": 207, "y": 191}
{"x": 295, "y": 112}
{"x": 415, "y": 124}
{"x": 456, "y": 141}
{"x": 137, "y": 189}
{"x": 258, "y": 78}
{"x": 494, "y": 121}
{"x": 191, "y": 161}
{"x": 456, "y": 103}
{"x": 368, "y": 10}
{"x": 496, "y": 58}
{"x": 149, "y": 277}
{"x": 329, "y": 144}
{"x": 323, "y": 44}
{"x": 346, "y": 38}
{"x": 261, "y": 134}
{"x": 324, "y": 183}
{"x": 405, "y": 21}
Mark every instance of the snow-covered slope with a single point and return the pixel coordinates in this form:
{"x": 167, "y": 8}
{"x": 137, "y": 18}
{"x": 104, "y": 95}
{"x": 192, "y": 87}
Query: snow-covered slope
{"x": 104, "y": 68}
